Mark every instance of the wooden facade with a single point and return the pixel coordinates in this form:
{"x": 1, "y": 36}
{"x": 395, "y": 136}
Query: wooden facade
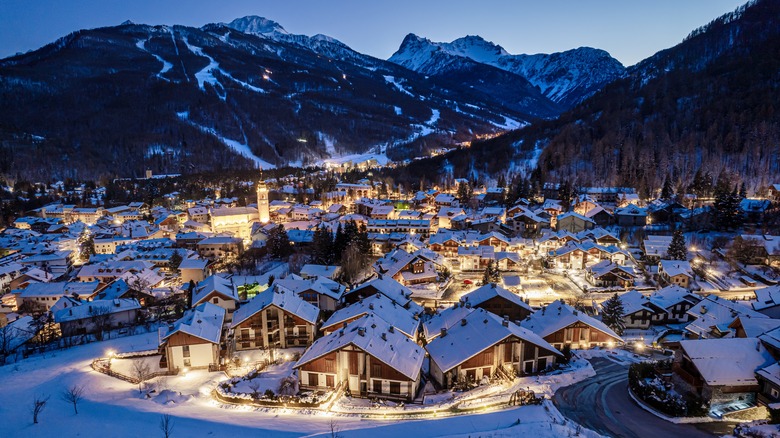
{"x": 273, "y": 327}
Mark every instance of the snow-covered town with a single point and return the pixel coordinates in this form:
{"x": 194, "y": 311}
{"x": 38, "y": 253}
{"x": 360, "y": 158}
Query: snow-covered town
{"x": 371, "y": 308}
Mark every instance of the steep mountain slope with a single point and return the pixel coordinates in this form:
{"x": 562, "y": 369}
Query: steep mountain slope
{"x": 708, "y": 103}
{"x": 566, "y": 78}
{"x": 117, "y": 100}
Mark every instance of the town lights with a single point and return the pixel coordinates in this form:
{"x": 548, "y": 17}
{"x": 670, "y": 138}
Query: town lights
{"x": 611, "y": 344}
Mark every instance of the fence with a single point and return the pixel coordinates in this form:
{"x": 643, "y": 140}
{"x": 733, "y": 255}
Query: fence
{"x": 103, "y": 365}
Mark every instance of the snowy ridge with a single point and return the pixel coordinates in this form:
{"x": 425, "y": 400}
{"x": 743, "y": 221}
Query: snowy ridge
{"x": 167, "y": 66}
{"x": 566, "y": 77}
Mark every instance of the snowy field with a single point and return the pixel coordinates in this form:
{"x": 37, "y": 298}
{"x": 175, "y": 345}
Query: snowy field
{"x": 114, "y": 408}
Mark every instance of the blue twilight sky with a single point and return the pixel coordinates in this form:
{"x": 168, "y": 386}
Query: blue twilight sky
{"x": 630, "y": 30}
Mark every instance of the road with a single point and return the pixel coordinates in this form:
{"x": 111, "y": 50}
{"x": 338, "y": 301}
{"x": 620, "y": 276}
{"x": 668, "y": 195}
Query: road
{"x": 601, "y": 403}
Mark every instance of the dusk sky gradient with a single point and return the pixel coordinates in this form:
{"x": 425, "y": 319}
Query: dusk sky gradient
{"x": 630, "y": 30}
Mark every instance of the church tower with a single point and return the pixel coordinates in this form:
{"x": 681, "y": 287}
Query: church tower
{"x": 262, "y": 202}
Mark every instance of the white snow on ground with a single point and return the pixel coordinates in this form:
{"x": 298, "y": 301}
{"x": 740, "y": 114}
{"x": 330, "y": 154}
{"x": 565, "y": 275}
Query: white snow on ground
{"x": 398, "y": 85}
{"x": 434, "y": 117}
{"x": 381, "y": 158}
{"x": 239, "y": 148}
{"x": 509, "y": 123}
{"x": 398, "y": 110}
{"x": 330, "y": 143}
{"x": 166, "y": 65}
{"x": 114, "y": 408}
{"x": 205, "y": 74}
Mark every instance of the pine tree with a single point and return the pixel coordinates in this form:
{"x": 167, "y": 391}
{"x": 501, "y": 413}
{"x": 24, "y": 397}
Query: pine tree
{"x": 742, "y": 191}
{"x": 667, "y": 191}
{"x": 464, "y": 193}
{"x": 279, "y": 245}
{"x": 612, "y": 314}
{"x": 492, "y": 274}
{"x": 678, "y": 249}
{"x": 322, "y": 246}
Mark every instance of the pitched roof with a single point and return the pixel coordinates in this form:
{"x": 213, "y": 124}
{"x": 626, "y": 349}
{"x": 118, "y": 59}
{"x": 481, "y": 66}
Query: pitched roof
{"x": 729, "y": 362}
{"x": 214, "y": 283}
{"x": 203, "y": 321}
{"x": 559, "y": 315}
{"x": 286, "y": 301}
{"x": 712, "y": 312}
{"x": 91, "y": 308}
{"x": 474, "y": 333}
{"x": 376, "y": 337}
{"x": 492, "y": 290}
{"x": 378, "y": 304}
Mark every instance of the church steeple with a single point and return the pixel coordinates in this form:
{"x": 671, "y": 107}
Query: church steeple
{"x": 262, "y": 200}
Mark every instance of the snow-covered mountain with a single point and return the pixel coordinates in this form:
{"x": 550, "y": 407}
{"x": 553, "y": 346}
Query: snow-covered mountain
{"x": 566, "y": 78}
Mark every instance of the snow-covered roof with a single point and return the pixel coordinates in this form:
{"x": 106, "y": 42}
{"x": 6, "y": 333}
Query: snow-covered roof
{"x": 673, "y": 268}
{"x": 712, "y": 312}
{"x": 18, "y": 332}
{"x": 767, "y": 297}
{"x": 492, "y": 290}
{"x": 194, "y": 264}
{"x": 391, "y": 289}
{"x": 82, "y": 289}
{"x": 559, "y": 315}
{"x": 320, "y": 285}
{"x": 91, "y": 308}
{"x": 672, "y": 295}
{"x": 378, "y": 304}
{"x": 727, "y": 362}
{"x": 204, "y": 322}
{"x": 474, "y": 333}
{"x": 310, "y": 270}
{"x": 444, "y": 319}
{"x": 214, "y": 283}
{"x": 771, "y": 373}
{"x": 284, "y": 300}
{"x": 376, "y": 337}
{"x": 755, "y": 327}
{"x": 634, "y": 301}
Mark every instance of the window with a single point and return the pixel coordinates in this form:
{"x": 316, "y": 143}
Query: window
{"x": 330, "y": 366}
{"x": 774, "y": 393}
{"x": 376, "y": 370}
{"x": 187, "y": 362}
{"x": 185, "y": 350}
{"x": 395, "y": 387}
{"x": 377, "y": 386}
{"x": 314, "y": 379}
{"x": 215, "y": 300}
{"x": 330, "y": 381}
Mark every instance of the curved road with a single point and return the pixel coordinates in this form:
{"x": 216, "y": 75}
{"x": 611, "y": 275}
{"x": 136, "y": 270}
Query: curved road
{"x": 601, "y": 403}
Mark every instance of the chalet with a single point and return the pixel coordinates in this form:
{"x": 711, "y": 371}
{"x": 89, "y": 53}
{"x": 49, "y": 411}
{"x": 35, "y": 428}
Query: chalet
{"x": 765, "y": 249}
{"x": 609, "y": 274}
{"x": 274, "y": 319}
{"x": 97, "y": 316}
{"x": 676, "y": 272}
{"x": 573, "y": 222}
{"x": 321, "y": 292}
{"x": 768, "y": 379}
{"x": 218, "y": 291}
{"x": 676, "y": 301}
{"x": 440, "y": 321}
{"x": 311, "y": 271}
{"x": 560, "y": 324}
{"x": 499, "y": 301}
{"x": 655, "y": 248}
{"x": 403, "y": 320}
{"x": 481, "y": 345}
{"x": 753, "y": 209}
{"x": 639, "y": 311}
{"x": 773, "y": 192}
{"x": 193, "y": 270}
{"x": 720, "y": 371}
{"x": 386, "y": 286}
{"x": 406, "y": 268}
{"x": 368, "y": 357}
{"x": 193, "y": 341}
{"x": 712, "y": 317}
{"x": 631, "y": 216}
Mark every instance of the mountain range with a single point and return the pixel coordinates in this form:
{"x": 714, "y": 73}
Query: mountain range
{"x": 708, "y": 105}
{"x": 115, "y": 101}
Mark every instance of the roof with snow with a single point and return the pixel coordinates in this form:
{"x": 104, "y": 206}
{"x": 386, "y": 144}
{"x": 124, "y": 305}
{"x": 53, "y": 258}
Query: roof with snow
{"x": 473, "y": 334}
{"x": 389, "y": 288}
{"x": 286, "y": 301}
{"x": 378, "y": 304}
{"x": 445, "y": 319}
{"x": 727, "y": 362}
{"x": 717, "y": 313}
{"x": 203, "y": 321}
{"x": 559, "y": 315}
{"x": 320, "y": 285}
{"x": 376, "y": 337}
{"x": 634, "y": 301}
{"x": 672, "y": 295}
{"x": 82, "y": 289}
{"x": 215, "y": 283}
{"x": 92, "y": 308}
{"x": 767, "y": 297}
{"x": 492, "y": 290}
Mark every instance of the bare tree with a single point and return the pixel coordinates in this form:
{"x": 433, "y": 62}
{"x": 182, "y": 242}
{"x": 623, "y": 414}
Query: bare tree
{"x": 73, "y": 395}
{"x": 254, "y": 385}
{"x": 7, "y": 347}
{"x": 166, "y": 425}
{"x": 334, "y": 429}
{"x": 102, "y": 319}
{"x": 141, "y": 371}
{"x": 38, "y": 404}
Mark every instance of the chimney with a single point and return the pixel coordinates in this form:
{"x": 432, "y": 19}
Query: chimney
{"x": 391, "y": 329}
{"x": 463, "y": 322}
{"x": 341, "y": 332}
{"x": 505, "y": 323}
{"x": 443, "y": 332}
{"x": 371, "y": 306}
{"x": 362, "y": 331}
{"x": 384, "y": 336}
